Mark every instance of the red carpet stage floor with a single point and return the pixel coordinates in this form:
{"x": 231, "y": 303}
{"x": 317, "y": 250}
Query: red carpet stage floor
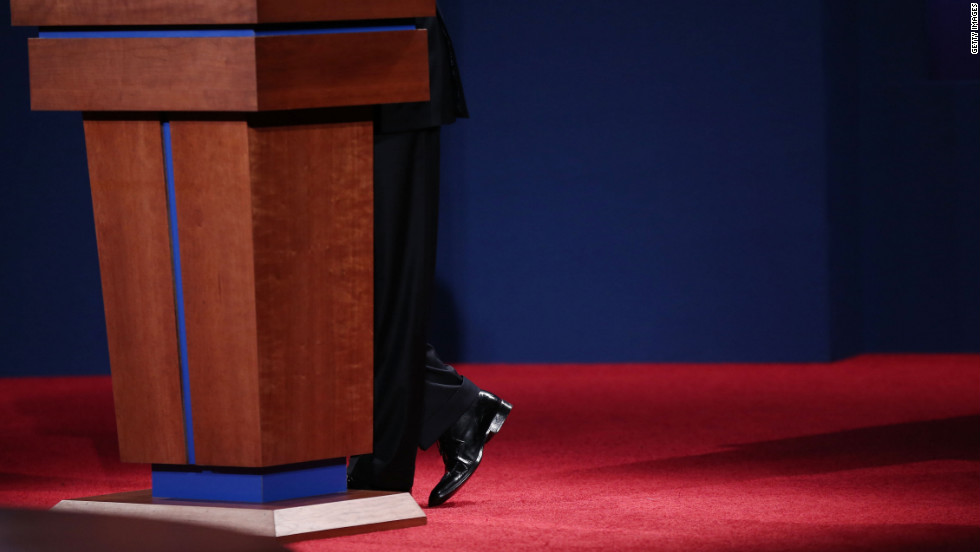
{"x": 880, "y": 452}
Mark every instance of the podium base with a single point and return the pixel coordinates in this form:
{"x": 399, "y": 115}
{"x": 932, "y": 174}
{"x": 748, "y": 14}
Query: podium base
{"x": 346, "y": 513}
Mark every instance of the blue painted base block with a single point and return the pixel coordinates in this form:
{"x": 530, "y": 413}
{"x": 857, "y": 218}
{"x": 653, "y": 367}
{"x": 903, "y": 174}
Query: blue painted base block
{"x": 255, "y": 485}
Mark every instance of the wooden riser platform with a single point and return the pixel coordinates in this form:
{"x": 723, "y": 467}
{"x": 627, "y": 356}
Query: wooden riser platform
{"x": 325, "y": 516}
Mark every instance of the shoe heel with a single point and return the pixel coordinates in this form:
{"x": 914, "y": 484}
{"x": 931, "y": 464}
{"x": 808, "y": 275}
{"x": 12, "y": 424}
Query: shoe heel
{"x": 500, "y": 417}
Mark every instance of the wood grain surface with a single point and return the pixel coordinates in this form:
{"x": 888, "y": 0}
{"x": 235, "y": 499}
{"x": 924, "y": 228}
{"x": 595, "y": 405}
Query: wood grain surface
{"x": 333, "y": 515}
{"x": 317, "y": 10}
{"x": 231, "y": 74}
{"x": 276, "y": 235}
{"x": 144, "y": 12}
{"x": 345, "y": 69}
{"x": 198, "y": 12}
{"x": 143, "y": 74}
{"x": 129, "y": 199}
{"x": 312, "y": 201}
{"x": 214, "y": 209}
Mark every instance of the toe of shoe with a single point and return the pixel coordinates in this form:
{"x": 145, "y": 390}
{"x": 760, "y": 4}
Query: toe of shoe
{"x": 450, "y": 483}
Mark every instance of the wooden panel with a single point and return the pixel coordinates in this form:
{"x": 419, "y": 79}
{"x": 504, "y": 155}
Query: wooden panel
{"x": 139, "y": 74}
{"x": 193, "y": 12}
{"x": 129, "y": 199}
{"x": 144, "y": 12}
{"x": 214, "y": 209}
{"x": 229, "y": 73}
{"x": 313, "y": 232}
{"x": 338, "y": 10}
{"x": 343, "y": 69}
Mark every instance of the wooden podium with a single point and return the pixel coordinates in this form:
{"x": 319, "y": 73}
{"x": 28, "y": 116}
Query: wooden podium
{"x": 230, "y": 151}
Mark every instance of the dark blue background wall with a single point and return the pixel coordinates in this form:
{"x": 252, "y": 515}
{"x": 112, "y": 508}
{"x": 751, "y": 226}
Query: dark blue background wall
{"x": 51, "y": 317}
{"x": 920, "y": 177}
{"x": 640, "y": 181}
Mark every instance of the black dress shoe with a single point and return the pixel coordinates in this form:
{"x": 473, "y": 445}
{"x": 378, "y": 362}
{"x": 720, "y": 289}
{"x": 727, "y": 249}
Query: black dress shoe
{"x": 462, "y": 444}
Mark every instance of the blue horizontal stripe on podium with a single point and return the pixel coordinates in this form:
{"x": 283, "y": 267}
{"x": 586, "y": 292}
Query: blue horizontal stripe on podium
{"x": 253, "y": 485}
{"x": 210, "y": 33}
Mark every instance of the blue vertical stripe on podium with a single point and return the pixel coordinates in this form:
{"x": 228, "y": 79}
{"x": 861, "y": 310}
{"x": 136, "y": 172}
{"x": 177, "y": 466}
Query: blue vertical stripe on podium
{"x": 185, "y": 378}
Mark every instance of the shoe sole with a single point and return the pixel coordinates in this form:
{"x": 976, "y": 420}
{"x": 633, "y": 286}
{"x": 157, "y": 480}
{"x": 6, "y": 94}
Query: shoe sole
{"x": 503, "y": 410}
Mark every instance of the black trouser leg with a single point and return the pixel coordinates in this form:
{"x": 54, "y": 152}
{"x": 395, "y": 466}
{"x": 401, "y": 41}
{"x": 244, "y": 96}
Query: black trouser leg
{"x": 416, "y": 395}
{"x": 447, "y": 396}
{"x": 406, "y": 196}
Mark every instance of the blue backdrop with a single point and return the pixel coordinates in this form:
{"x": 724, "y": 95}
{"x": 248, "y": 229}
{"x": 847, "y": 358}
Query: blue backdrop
{"x": 639, "y": 181}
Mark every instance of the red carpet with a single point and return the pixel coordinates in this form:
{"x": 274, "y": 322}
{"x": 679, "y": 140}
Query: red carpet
{"x": 880, "y": 452}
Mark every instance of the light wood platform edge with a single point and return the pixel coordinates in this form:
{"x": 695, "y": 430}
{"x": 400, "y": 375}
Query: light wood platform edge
{"x": 332, "y": 516}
